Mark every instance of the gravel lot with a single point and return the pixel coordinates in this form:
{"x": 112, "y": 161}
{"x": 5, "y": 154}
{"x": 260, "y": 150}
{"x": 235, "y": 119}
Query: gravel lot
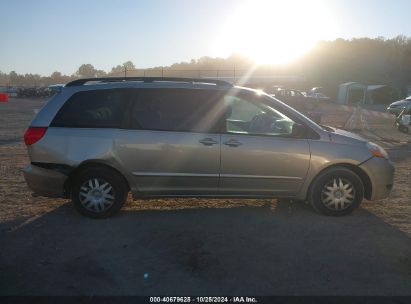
{"x": 200, "y": 247}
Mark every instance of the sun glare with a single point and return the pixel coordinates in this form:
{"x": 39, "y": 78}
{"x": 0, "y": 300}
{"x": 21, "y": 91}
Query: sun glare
{"x": 275, "y": 32}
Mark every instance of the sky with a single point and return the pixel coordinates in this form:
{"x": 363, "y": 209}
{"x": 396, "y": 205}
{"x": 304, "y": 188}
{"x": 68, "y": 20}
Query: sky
{"x": 44, "y": 36}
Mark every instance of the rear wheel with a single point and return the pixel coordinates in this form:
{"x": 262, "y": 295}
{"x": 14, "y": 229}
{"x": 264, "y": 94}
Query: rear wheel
{"x": 99, "y": 192}
{"x": 337, "y": 191}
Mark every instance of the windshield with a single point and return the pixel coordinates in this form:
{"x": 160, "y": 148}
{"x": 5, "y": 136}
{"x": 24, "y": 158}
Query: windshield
{"x": 293, "y": 113}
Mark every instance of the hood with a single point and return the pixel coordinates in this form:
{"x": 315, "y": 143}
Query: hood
{"x": 345, "y": 137}
{"x": 401, "y": 102}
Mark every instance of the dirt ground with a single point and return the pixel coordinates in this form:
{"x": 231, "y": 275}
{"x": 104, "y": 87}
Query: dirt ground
{"x": 200, "y": 247}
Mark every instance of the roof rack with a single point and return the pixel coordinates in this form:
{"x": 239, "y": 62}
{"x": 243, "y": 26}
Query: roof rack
{"x": 83, "y": 81}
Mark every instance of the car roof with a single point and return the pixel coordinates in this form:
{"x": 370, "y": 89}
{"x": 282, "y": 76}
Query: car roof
{"x": 148, "y": 80}
{"x": 146, "y": 83}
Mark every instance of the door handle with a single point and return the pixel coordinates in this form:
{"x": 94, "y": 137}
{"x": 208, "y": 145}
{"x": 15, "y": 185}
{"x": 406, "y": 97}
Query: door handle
{"x": 208, "y": 141}
{"x": 233, "y": 143}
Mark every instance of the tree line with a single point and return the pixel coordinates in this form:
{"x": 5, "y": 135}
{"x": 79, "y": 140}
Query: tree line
{"x": 84, "y": 71}
{"x": 329, "y": 63}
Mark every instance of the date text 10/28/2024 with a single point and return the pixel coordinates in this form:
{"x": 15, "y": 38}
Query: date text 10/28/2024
{"x": 203, "y": 300}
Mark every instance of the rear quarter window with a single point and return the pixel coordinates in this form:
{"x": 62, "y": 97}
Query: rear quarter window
{"x": 94, "y": 109}
{"x": 178, "y": 110}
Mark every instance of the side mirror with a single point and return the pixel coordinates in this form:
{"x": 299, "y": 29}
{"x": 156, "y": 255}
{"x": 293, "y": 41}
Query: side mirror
{"x": 299, "y": 131}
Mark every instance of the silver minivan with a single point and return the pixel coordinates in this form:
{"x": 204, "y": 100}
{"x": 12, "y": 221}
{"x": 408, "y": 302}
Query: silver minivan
{"x": 98, "y": 139}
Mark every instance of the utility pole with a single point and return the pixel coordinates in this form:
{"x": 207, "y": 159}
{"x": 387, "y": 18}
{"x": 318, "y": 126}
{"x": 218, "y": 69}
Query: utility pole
{"x": 125, "y": 71}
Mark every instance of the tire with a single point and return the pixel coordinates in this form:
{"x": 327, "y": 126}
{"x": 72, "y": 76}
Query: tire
{"x": 337, "y": 191}
{"x": 99, "y": 192}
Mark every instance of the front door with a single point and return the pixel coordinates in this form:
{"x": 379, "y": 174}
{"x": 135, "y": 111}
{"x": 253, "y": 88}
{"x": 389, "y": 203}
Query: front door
{"x": 259, "y": 156}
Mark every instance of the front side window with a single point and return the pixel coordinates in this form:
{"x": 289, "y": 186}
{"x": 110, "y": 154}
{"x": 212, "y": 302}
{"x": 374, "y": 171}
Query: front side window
{"x": 94, "y": 109}
{"x": 179, "y": 110}
{"x": 248, "y": 117}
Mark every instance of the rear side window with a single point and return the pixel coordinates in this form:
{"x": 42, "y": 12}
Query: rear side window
{"x": 177, "y": 110}
{"x": 94, "y": 109}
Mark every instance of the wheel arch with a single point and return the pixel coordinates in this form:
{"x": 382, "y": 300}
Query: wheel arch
{"x": 365, "y": 179}
{"x": 86, "y": 165}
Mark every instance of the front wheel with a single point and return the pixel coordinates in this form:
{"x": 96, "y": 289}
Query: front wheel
{"x": 99, "y": 192}
{"x": 336, "y": 191}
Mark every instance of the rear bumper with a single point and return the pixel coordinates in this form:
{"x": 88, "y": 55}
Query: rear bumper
{"x": 45, "y": 182}
{"x": 381, "y": 173}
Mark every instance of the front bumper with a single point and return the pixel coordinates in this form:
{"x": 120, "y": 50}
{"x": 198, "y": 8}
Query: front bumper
{"x": 381, "y": 173}
{"x": 45, "y": 182}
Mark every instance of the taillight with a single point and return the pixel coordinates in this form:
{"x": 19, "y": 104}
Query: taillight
{"x": 34, "y": 134}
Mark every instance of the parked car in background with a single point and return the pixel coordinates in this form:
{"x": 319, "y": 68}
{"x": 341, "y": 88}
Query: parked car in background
{"x": 317, "y": 94}
{"x": 403, "y": 120}
{"x": 397, "y": 107}
{"x": 10, "y": 91}
{"x": 318, "y": 97}
{"x": 274, "y": 89}
{"x": 55, "y": 88}
{"x": 100, "y": 138}
{"x": 298, "y": 100}
{"x": 34, "y": 92}
{"x": 290, "y": 97}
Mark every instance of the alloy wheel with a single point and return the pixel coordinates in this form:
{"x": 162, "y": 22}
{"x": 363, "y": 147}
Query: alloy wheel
{"x": 338, "y": 194}
{"x": 96, "y": 195}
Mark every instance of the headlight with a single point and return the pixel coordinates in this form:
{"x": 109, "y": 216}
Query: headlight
{"x": 376, "y": 150}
